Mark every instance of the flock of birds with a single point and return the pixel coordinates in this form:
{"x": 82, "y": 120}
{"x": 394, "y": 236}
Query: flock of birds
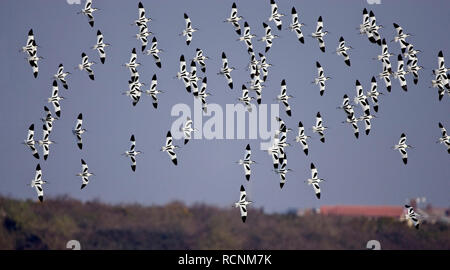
{"x": 259, "y": 69}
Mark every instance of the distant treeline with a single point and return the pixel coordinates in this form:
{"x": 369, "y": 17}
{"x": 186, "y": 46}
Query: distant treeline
{"x": 31, "y": 225}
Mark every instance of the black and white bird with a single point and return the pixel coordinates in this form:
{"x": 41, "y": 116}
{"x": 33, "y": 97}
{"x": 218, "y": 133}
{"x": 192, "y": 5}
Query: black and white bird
{"x": 234, "y": 19}
{"x": 193, "y": 78}
{"x": 246, "y": 162}
{"x": 400, "y": 74}
{"x": 88, "y": 11}
{"x": 84, "y": 174}
{"x": 247, "y": 38}
{"x": 366, "y": 118}
{"x": 226, "y": 70}
{"x": 100, "y": 47}
{"x": 45, "y": 142}
{"x": 61, "y": 76}
{"x": 154, "y": 51}
{"x": 132, "y": 64}
{"x": 30, "y": 142}
{"x": 361, "y": 98}
{"x": 86, "y": 65}
{"x": 30, "y": 46}
{"x": 275, "y": 15}
{"x": 366, "y": 22}
{"x": 274, "y": 151}
{"x": 79, "y": 130}
{"x": 188, "y": 31}
{"x": 414, "y": 68}
{"x": 408, "y": 50}
{"x": 441, "y": 80}
{"x": 202, "y": 94}
{"x": 412, "y": 215}
{"x": 170, "y": 148}
{"x": 283, "y": 170}
{"x": 254, "y": 66}
{"x": 385, "y": 56}
{"x": 143, "y": 35}
{"x": 319, "y": 34}
{"x": 183, "y": 74}
{"x": 242, "y": 203}
{"x": 257, "y": 86}
{"x": 134, "y": 91}
{"x": 342, "y": 51}
{"x": 55, "y": 99}
{"x": 372, "y": 29}
{"x": 401, "y": 147}
{"x": 373, "y": 93}
{"x": 37, "y": 183}
{"x": 315, "y": 180}
{"x": 321, "y": 78}
{"x": 153, "y": 91}
{"x": 445, "y": 138}
{"x": 386, "y": 76}
{"x": 401, "y": 35}
{"x": 302, "y": 137}
{"x": 296, "y": 26}
{"x": 246, "y": 99}
{"x": 319, "y": 128}
{"x": 142, "y": 20}
{"x": 187, "y": 130}
{"x": 351, "y": 119}
{"x": 33, "y": 61}
{"x": 49, "y": 119}
{"x": 347, "y": 107}
{"x": 264, "y": 66}
{"x": 284, "y": 97}
{"x": 132, "y": 153}
{"x": 200, "y": 59}
{"x": 268, "y": 37}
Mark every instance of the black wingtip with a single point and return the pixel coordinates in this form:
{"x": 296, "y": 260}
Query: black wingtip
{"x": 230, "y": 85}
{"x": 417, "y": 226}
{"x": 91, "y": 76}
{"x": 375, "y": 108}
{"x": 405, "y": 160}
{"x": 322, "y": 139}
{"x": 30, "y": 33}
{"x": 320, "y": 19}
{"x": 396, "y": 25}
{"x": 158, "y": 64}
{"x": 186, "y": 141}
{"x": 302, "y": 40}
{"x": 35, "y": 74}
{"x": 379, "y": 42}
{"x": 45, "y": 157}
{"x": 234, "y": 5}
{"x": 155, "y": 105}
{"x": 182, "y": 57}
{"x": 38, "y": 167}
{"x": 289, "y": 113}
{"x": 318, "y": 64}
{"x": 185, "y": 16}
{"x": 58, "y": 113}
{"x": 312, "y": 166}
{"x": 98, "y": 32}
{"x": 140, "y": 5}
{"x": 399, "y": 57}
{"x": 347, "y": 62}
{"x": 279, "y": 27}
{"x": 341, "y": 39}
{"x": 265, "y": 25}
{"x": 357, "y": 82}
{"x": 143, "y": 47}
{"x": 133, "y": 168}
{"x": 281, "y": 185}
{"x": 41, "y": 198}
{"x": 306, "y": 151}
{"x": 275, "y": 166}
{"x": 83, "y": 162}
{"x": 405, "y": 88}
{"x": 238, "y": 31}
{"x": 318, "y": 114}
{"x": 322, "y": 49}
{"x": 83, "y": 186}
{"x": 365, "y": 11}
{"x": 440, "y": 54}
{"x": 247, "y": 176}
{"x": 175, "y": 162}
{"x": 91, "y": 23}
{"x": 318, "y": 195}
{"x": 373, "y": 79}
{"x": 188, "y": 89}
{"x": 188, "y": 42}
{"x": 293, "y": 11}
{"x": 102, "y": 60}
{"x": 388, "y": 88}
{"x": 36, "y": 155}
{"x": 440, "y": 125}
{"x": 367, "y": 131}
{"x": 244, "y": 218}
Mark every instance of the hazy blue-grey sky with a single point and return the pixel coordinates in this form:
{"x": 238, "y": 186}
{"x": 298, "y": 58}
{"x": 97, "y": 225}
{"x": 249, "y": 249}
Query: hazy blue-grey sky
{"x": 363, "y": 171}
